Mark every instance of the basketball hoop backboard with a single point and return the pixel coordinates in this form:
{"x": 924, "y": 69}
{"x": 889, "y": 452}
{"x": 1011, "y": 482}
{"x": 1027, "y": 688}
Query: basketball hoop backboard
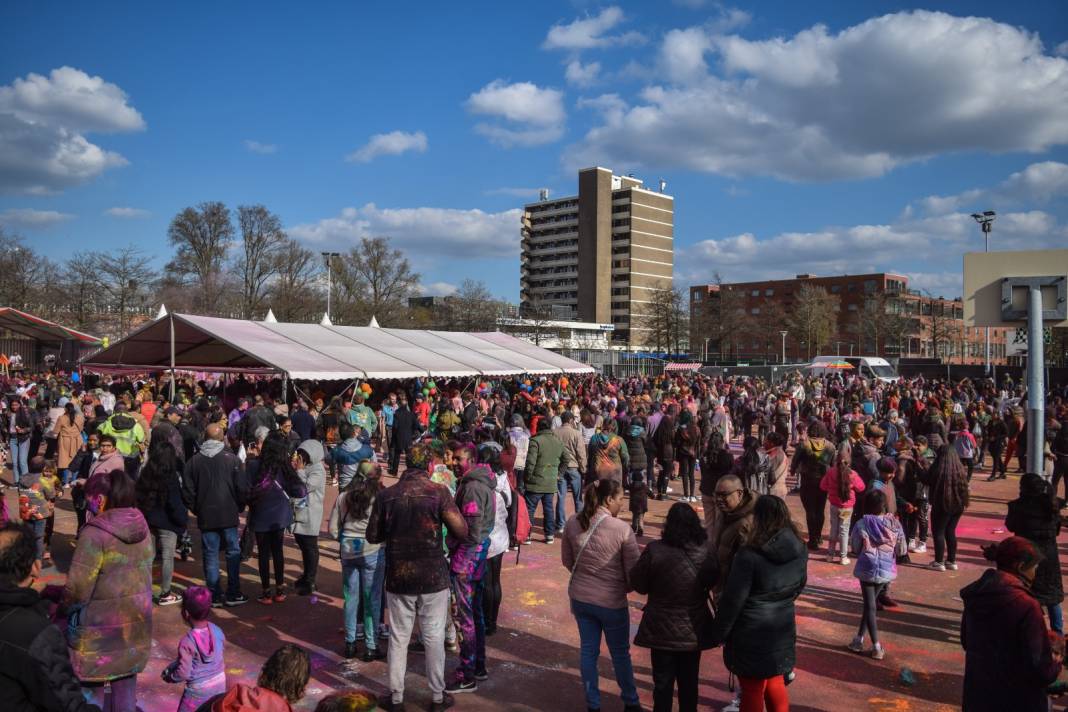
{"x": 996, "y": 283}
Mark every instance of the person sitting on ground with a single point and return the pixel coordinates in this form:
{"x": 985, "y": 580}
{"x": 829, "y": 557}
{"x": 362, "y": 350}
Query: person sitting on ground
{"x": 36, "y": 675}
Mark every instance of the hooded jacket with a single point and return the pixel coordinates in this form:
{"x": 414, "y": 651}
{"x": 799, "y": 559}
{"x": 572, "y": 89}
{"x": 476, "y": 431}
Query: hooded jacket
{"x": 477, "y": 502}
{"x": 873, "y": 541}
{"x": 127, "y": 432}
{"x": 349, "y": 454}
{"x": 36, "y": 674}
{"x": 243, "y": 698}
{"x": 545, "y": 458}
{"x": 728, "y": 535}
{"x": 1007, "y": 657}
{"x": 214, "y": 486}
{"x": 755, "y": 615}
{"x": 313, "y": 475}
{"x": 108, "y": 597}
{"x": 200, "y": 661}
{"x": 1035, "y": 517}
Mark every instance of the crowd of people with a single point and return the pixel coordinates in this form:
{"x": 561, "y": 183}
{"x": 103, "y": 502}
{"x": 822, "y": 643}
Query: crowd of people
{"x": 880, "y": 467}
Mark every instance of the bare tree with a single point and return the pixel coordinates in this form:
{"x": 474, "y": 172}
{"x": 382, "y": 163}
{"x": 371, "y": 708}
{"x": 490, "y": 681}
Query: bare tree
{"x": 814, "y": 316}
{"x": 123, "y": 276}
{"x": 201, "y": 236}
{"x": 942, "y": 329}
{"x": 722, "y": 319}
{"x": 20, "y": 266}
{"x": 262, "y": 242}
{"x": 374, "y": 280}
{"x": 471, "y": 308}
{"x": 294, "y": 294}
{"x": 765, "y": 326}
{"x": 665, "y": 320}
{"x": 81, "y": 296}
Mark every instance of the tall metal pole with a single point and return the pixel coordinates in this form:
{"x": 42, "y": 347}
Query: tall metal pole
{"x": 784, "y": 333}
{"x": 986, "y": 239}
{"x": 171, "y": 318}
{"x": 1036, "y": 391}
{"x": 328, "y": 285}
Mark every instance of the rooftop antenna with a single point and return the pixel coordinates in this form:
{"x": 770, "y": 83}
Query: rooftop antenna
{"x": 663, "y": 185}
{"x": 543, "y": 194}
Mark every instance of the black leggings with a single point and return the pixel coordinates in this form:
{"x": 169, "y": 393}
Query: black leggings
{"x": 670, "y": 668}
{"x": 944, "y": 531}
{"x": 814, "y": 501}
{"x": 269, "y": 546}
{"x": 870, "y": 593}
{"x": 309, "y": 556}
{"x": 492, "y": 594}
{"x": 686, "y": 464}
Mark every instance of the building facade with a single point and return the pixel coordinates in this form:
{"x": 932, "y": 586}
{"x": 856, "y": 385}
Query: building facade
{"x": 599, "y": 254}
{"x": 875, "y": 315}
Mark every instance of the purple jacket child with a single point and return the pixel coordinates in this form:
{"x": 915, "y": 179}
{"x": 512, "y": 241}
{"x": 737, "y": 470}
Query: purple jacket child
{"x": 874, "y": 541}
{"x": 199, "y": 666}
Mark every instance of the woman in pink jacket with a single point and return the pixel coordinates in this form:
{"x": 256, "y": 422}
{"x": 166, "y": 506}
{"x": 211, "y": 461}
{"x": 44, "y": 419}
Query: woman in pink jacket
{"x": 841, "y": 483}
{"x": 600, "y": 550}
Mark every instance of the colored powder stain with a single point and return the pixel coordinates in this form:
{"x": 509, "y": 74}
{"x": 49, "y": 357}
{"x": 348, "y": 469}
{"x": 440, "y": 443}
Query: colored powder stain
{"x": 235, "y": 671}
{"x": 895, "y": 705}
{"x": 529, "y": 598}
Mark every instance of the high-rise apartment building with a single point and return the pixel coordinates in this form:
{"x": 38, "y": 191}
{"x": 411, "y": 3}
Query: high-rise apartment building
{"x": 598, "y": 255}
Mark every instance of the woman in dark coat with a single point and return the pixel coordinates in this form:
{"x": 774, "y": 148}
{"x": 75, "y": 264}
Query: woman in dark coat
{"x": 159, "y": 497}
{"x": 676, "y": 573}
{"x": 663, "y": 441}
{"x": 1034, "y": 516}
{"x": 755, "y": 619}
{"x": 811, "y": 460}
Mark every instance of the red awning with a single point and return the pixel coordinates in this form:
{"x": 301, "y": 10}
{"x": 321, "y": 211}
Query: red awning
{"x": 685, "y": 367}
{"x": 42, "y": 329}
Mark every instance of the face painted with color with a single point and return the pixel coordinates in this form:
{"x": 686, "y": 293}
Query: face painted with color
{"x": 96, "y": 504}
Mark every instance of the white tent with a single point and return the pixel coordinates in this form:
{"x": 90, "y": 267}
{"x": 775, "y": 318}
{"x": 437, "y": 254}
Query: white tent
{"x": 320, "y": 352}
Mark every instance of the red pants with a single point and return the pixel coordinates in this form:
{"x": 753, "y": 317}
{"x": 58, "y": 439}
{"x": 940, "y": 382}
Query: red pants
{"x": 1010, "y": 450}
{"x": 770, "y": 692}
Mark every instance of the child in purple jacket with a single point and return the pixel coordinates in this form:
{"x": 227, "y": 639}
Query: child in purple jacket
{"x": 200, "y": 653}
{"x": 876, "y": 540}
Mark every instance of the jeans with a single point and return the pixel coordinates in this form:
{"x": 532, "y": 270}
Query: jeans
{"x": 38, "y": 526}
{"x": 123, "y": 697}
{"x": 166, "y": 542}
{"x": 671, "y": 667}
{"x": 569, "y": 479}
{"x": 870, "y": 593}
{"x": 686, "y": 468}
{"x": 1056, "y": 618}
{"x": 433, "y": 612}
{"x": 944, "y": 532}
{"x": 839, "y": 533}
{"x": 20, "y": 457}
{"x": 361, "y": 579}
{"x": 269, "y": 546}
{"x": 309, "y": 556}
{"x": 546, "y": 499}
{"x": 210, "y": 541}
{"x": 614, "y": 623}
{"x": 814, "y": 501}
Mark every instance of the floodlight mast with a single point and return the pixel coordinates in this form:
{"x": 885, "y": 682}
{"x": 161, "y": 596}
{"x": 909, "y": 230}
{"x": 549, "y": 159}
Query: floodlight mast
{"x": 986, "y": 223}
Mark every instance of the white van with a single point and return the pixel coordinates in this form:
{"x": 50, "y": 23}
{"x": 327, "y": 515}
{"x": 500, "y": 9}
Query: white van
{"x": 870, "y": 367}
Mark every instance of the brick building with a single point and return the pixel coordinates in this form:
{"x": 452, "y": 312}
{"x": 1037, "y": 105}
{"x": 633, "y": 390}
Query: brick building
{"x": 920, "y": 325}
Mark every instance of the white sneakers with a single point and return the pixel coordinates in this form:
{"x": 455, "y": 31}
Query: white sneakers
{"x": 845, "y": 561}
{"x": 938, "y": 566}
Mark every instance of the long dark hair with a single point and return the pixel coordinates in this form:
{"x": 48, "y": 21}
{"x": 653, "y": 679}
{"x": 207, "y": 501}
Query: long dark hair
{"x": 770, "y": 516}
{"x": 275, "y": 460}
{"x": 71, "y": 411}
{"x": 157, "y": 474}
{"x": 949, "y": 489}
{"x": 359, "y": 494}
{"x": 683, "y": 527}
{"x": 594, "y": 496}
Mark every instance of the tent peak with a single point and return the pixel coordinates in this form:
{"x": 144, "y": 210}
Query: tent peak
{"x": 162, "y": 311}
{"x": 270, "y": 318}
{"x": 325, "y": 321}
{"x": 374, "y": 322}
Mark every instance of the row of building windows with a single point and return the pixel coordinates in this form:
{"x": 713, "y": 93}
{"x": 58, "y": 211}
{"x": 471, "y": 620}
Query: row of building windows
{"x": 548, "y": 207}
{"x": 554, "y": 245}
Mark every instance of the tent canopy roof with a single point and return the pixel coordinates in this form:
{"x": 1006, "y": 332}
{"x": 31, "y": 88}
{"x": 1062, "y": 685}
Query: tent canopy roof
{"x": 321, "y": 353}
{"x": 41, "y": 329}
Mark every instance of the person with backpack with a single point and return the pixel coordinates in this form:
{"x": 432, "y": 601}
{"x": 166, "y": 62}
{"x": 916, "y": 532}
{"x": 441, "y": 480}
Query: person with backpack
{"x": 811, "y": 459}
{"x": 876, "y": 541}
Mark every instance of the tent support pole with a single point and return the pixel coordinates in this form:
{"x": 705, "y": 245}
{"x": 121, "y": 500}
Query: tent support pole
{"x": 173, "y": 385}
{"x": 285, "y": 388}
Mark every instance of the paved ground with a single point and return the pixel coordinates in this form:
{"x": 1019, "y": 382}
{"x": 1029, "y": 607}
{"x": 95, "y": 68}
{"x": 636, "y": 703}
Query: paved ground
{"x": 533, "y": 659}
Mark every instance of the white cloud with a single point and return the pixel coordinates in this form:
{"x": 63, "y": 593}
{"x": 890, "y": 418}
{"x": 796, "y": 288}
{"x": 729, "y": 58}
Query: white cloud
{"x": 261, "y": 148}
{"x": 127, "y": 213}
{"x": 70, "y": 98}
{"x": 823, "y": 106}
{"x": 533, "y": 115}
{"x": 1037, "y": 183}
{"x": 927, "y": 249}
{"x": 437, "y": 289}
{"x": 589, "y": 32}
{"x": 31, "y": 218}
{"x": 582, "y": 75}
{"x": 393, "y": 143}
{"x": 440, "y": 231}
{"x": 1061, "y": 50}
{"x": 43, "y": 120}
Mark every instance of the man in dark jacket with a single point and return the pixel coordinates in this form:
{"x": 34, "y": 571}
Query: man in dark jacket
{"x": 36, "y": 674}
{"x": 167, "y": 429}
{"x": 1008, "y": 660}
{"x": 255, "y": 417}
{"x": 303, "y": 421}
{"x": 408, "y": 519}
{"x": 215, "y": 488}
{"x": 477, "y": 501}
{"x": 405, "y": 428}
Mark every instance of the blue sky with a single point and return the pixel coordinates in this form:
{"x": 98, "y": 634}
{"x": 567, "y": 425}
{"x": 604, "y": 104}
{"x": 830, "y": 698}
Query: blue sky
{"x": 796, "y": 137}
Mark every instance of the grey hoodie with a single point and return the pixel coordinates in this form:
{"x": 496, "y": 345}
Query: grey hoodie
{"x": 313, "y": 475}
{"x": 477, "y": 501}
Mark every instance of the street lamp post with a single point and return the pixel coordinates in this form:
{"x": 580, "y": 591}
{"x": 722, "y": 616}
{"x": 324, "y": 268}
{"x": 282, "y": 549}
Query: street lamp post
{"x": 986, "y": 223}
{"x": 784, "y": 333}
{"x": 328, "y": 257}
